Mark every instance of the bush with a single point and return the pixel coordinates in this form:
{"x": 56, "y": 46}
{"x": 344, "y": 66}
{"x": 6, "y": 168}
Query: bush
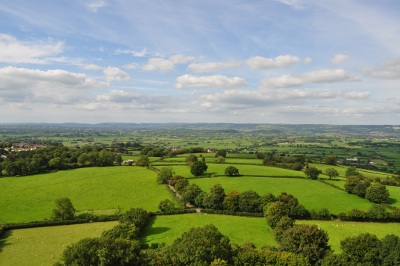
{"x": 231, "y": 171}
{"x": 377, "y": 193}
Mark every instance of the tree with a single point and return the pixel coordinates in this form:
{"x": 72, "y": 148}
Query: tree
{"x": 377, "y": 212}
{"x": 361, "y": 250}
{"x": 249, "y": 201}
{"x": 274, "y": 211}
{"x": 102, "y": 251}
{"x": 284, "y": 224}
{"x": 377, "y": 193}
{"x": 215, "y": 198}
{"x": 231, "y": 171}
{"x": 351, "y": 171}
{"x": 64, "y": 210}
{"x": 126, "y": 231}
{"x": 312, "y": 173}
{"x": 198, "y": 168}
{"x": 166, "y": 206}
{"x": 221, "y": 152}
{"x": 190, "y": 193}
{"x": 199, "y": 246}
{"x": 266, "y": 199}
{"x": 331, "y": 160}
{"x": 143, "y": 161}
{"x": 118, "y": 159}
{"x": 331, "y": 172}
{"x": 357, "y": 185}
{"x": 306, "y": 240}
{"x": 231, "y": 201}
{"x": 220, "y": 159}
{"x": 136, "y": 216}
{"x": 191, "y": 158}
{"x": 165, "y": 174}
{"x": 181, "y": 184}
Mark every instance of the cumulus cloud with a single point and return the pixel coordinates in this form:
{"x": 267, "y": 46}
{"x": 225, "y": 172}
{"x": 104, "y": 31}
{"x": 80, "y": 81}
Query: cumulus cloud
{"x": 115, "y": 74}
{"x": 134, "y": 53}
{"x": 259, "y": 62}
{"x": 22, "y": 84}
{"x": 213, "y": 66}
{"x": 339, "y": 58}
{"x": 166, "y": 65}
{"x": 92, "y": 67}
{"x": 387, "y": 70}
{"x": 214, "y": 81}
{"x": 307, "y": 60}
{"x": 321, "y": 76}
{"x": 30, "y": 52}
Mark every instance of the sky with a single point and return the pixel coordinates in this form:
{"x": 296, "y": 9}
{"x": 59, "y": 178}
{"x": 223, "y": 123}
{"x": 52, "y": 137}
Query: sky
{"x": 200, "y": 61}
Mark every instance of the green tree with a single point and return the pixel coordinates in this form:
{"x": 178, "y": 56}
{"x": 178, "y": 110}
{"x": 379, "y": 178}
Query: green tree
{"x": 191, "y": 158}
{"x": 181, "y": 184}
{"x": 136, "y": 216}
{"x": 118, "y": 159}
{"x": 102, "y": 251}
{"x": 306, "y": 240}
{"x": 361, "y": 250}
{"x": 199, "y": 246}
{"x": 198, "y": 168}
{"x": 190, "y": 193}
{"x": 284, "y": 224}
{"x": 143, "y": 161}
{"x": 312, "y": 173}
{"x": 231, "y": 171}
{"x": 126, "y": 231}
{"x": 231, "y": 201}
{"x": 377, "y": 212}
{"x": 64, "y": 210}
{"x": 357, "y": 185}
{"x": 351, "y": 171}
{"x": 221, "y": 152}
{"x": 166, "y": 206}
{"x": 249, "y": 201}
{"x": 220, "y": 159}
{"x": 215, "y": 198}
{"x": 389, "y": 250}
{"x": 274, "y": 211}
{"x": 166, "y": 173}
{"x": 331, "y": 160}
{"x": 331, "y": 172}
{"x": 377, "y": 193}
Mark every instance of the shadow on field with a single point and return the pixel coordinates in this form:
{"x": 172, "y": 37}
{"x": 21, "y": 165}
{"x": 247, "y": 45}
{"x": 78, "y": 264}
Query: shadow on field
{"x": 3, "y": 239}
{"x": 391, "y": 201}
{"x": 157, "y": 230}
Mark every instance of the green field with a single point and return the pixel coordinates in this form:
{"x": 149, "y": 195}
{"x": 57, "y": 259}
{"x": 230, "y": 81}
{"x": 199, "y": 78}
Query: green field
{"x": 44, "y": 245}
{"x": 337, "y": 231}
{"x": 31, "y": 198}
{"x": 312, "y": 194}
{"x": 164, "y": 229}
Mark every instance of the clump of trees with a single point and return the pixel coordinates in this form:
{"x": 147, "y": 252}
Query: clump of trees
{"x": 365, "y": 188}
{"x": 296, "y": 162}
{"x": 53, "y": 158}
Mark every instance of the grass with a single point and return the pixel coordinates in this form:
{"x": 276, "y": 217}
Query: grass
{"x": 164, "y": 229}
{"x": 312, "y": 194}
{"x": 338, "y": 231}
{"x": 31, "y": 198}
{"x": 44, "y": 245}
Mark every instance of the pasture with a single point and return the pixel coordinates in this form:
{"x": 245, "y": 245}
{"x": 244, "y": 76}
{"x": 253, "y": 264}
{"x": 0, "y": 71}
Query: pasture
{"x": 31, "y": 198}
{"x": 337, "y": 231}
{"x": 164, "y": 229}
{"x": 44, "y": 245}
{"x": 312, "y": 194}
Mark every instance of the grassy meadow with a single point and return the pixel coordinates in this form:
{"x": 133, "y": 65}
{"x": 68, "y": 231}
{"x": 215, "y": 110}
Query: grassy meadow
{"x": 337, "y": 231}
{"x": 312, "y": 194}
{"x": 44, "y": 245}
{"x": 164, "y": 229}
{"x": 31, "y": 198}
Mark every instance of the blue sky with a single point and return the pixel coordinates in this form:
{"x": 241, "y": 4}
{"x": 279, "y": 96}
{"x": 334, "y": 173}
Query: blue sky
{"x": 137, "y": 61}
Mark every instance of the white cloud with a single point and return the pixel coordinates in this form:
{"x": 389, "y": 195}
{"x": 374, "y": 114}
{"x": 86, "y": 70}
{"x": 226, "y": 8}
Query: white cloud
{"x": 92, "y": 67}
{"x": 387, "y": 70}
{"x": 292, "y": 3}
{"x": 321, "y": 76}
{"x": 134, "y": 53}
{"x": 339, "y": 58}
{"x": 115, "y": 74}
{"x": 33, "y": 52}
{"x": 307, "y": 60}
{"x": 215, "y": 81}
{"x": 37, "y": 86}
{"x": 213, "y": 66}
{"x": 259, "y": 62}
{"x": 95, "y": 6}
{"x": 166, "y": 65}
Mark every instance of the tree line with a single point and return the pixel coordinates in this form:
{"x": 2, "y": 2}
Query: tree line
{"x": 53, "y": 158}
